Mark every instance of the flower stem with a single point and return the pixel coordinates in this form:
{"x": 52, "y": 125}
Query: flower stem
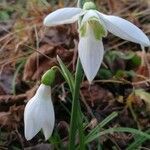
{"x": 76, "y": 117}
{"x": 75, "y": 106}
{"x": 80, "y": 3}
{"x": 81, "y": 129}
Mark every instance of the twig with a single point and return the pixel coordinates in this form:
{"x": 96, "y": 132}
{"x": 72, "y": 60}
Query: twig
{"x": 12, "y": 98}
{"x": 86, "y": 105}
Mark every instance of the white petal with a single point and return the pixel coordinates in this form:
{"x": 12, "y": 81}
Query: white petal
{"x": 43, "y": 91}
{"x": 91, "y": 53}
{"x": 49, "y": 120}
{"x": 124, "y": 29}
{"x": 63, "y": 16}
{"x": 32, "y": 126}
{"x": 39, "y": 114}
{"x": 88, "y": 15}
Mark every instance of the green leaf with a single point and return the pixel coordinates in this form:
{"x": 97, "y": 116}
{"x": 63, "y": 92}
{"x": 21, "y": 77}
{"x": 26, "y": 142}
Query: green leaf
{"x": 56, "y": 141}
{"x": 124, "y": 74}
{"x": 134, "y": 62}
{"x": 138, "y": 142}
{"x": 126, "y": 56}
{"x": 105, "y": 73}
{"x": 97, "y": 129}
{"x": 66, "y": 74}
{"x": 120, "y": 74}
{"x": 119, "y": 129}
{"x": 110, "y": 56}
{"x": 4, "y": 15}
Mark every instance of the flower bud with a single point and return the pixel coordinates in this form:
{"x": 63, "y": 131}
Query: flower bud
{"x": 48, "y": 77}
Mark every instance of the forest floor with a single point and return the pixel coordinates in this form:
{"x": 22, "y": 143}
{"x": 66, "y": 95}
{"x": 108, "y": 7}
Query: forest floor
{"x": 28, "y": 49}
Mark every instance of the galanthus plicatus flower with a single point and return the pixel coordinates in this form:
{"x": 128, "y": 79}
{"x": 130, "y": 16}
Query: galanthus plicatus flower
{"x": 93, "y": 27}
{"x": 39, "y": 113}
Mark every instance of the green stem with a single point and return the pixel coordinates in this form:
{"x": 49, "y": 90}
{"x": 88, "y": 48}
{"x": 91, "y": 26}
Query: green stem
{"x": 81, "y": 129}
{"x": 75, "y": 106}
{"x": 76, "y": 117}
{"x": 80, "y": 3}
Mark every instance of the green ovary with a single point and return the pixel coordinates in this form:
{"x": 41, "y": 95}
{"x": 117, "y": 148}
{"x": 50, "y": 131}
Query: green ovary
{"x": 89, "y": 6}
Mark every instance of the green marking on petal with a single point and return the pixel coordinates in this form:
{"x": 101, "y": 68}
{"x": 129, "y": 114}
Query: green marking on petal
{"x": 98, "y": 29}
{"x": 83, "y": 30}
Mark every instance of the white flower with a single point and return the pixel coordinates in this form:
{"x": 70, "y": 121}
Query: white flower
{"x": 39, "y": 113}
{"x": 94, "y": 26}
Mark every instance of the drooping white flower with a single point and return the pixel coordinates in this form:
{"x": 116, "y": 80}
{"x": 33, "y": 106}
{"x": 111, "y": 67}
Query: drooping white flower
{"x": 94, "y": 26}
{"x": 39, "y": 113}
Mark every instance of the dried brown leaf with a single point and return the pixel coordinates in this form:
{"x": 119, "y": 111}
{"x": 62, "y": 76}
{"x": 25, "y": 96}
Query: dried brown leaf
{"x": 12, "y": 99}
{"x": 95, "y": 94}
{"x": 32, "y": 68}
{"x": 12, "y": 118}
{"x": 42, "y": 146}
{"x": 6, "y": 77}
{"x": 44, "y": 59}
{"x": 115, "y": 6}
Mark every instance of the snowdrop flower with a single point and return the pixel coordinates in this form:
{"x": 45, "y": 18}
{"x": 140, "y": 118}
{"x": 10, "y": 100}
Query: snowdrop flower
{"x": 93, "y": 27}
{"x": 39, "y": 113}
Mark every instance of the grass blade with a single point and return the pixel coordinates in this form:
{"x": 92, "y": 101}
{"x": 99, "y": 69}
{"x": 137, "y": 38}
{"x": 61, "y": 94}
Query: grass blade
{"x": 138, "y": 141}
{"x": 120, "y": 129}
{"x": 102, "y": 124}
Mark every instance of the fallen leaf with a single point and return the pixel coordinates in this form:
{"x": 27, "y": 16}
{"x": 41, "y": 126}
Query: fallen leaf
{"x": 6, "y": 78}
{"x": 42, "y": 146}
{"x": 44, "y": 59}
{"x": 12, "y": 118}
{"x": 95, "y": 94}
{"x": 145, "y": 96}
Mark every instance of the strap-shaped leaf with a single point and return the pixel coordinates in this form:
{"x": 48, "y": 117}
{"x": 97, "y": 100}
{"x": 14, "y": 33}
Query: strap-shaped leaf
{"x": 66, "y": 74}
{"x": 118, "y": 130}
{"x": 101, "y": 125}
